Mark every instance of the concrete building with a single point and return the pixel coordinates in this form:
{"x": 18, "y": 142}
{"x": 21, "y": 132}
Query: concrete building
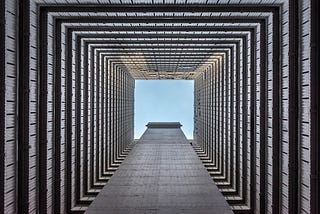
{"x": 67, "y": 75}
{"x": 162, "y": 174}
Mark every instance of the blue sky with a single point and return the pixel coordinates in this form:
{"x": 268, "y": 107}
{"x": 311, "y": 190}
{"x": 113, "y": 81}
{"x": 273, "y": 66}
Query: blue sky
{"x": 163, "y": 101}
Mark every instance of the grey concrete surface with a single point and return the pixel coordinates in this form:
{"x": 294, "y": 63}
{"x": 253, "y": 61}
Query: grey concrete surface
{"x": 161, "y": 175}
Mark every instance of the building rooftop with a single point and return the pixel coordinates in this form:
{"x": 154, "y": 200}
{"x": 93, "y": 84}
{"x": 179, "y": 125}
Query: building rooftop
{"x": 164, "y": 125}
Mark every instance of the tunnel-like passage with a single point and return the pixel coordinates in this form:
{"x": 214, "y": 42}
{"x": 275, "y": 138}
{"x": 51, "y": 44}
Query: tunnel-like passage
{"x": 67, "y": 81}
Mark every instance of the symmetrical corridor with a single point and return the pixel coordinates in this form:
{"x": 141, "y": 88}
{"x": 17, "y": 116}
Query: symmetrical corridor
{"x": 67, "y": 91}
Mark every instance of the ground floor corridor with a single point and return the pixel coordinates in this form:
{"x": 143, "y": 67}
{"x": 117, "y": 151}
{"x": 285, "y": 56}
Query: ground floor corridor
{"x": 161, "y": 174}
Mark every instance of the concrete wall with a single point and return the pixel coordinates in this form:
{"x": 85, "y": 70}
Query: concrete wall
{"x": 67, "y": 108}
{"x": 252, "y": 120}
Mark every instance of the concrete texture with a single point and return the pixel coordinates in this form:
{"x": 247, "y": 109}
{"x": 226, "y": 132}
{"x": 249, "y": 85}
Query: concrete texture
{"x": 161, "y": 175}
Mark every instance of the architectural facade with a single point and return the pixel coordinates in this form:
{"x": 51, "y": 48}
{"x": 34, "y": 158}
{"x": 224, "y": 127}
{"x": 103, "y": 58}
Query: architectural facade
{"x": 67, "y": 72}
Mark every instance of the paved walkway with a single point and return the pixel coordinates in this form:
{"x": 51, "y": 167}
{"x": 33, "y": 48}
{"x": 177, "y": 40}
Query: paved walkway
{"x": 161, "y": 175}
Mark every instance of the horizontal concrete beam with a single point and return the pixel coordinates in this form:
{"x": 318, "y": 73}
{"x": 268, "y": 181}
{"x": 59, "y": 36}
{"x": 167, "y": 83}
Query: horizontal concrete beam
{"x": 164, "y": 125}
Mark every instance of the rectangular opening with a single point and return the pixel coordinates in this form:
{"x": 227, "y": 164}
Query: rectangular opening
{"x": 164, "y": 101}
